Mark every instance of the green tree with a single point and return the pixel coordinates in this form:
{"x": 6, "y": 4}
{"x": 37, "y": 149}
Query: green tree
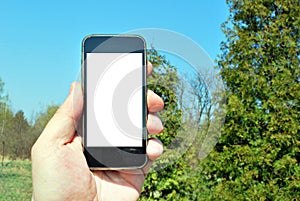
{"x": 3, "y": 111}
{"x": 258, "y": 155}
{"x": 163, "y": 82}
{"x": 20, "y": 147}
{"x": 6, "y": 124}
{"x": 174, "y": 176}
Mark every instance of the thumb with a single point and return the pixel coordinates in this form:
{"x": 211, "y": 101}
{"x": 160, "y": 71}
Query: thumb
{"x": 61, "y": 128}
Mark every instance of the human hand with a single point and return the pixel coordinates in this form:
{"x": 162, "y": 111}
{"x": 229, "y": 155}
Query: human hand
{"x": 59, "y": 168}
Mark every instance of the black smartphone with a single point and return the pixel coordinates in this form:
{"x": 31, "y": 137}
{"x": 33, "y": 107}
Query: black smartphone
{"x": 115, "y": 110}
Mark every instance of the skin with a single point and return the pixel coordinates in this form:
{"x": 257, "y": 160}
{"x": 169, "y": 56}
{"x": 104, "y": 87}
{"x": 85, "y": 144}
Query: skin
{"x": 59, "y": 168}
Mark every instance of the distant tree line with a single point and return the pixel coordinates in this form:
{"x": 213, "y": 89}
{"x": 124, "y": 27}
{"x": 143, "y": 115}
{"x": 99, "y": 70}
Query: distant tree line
{"x": 17, "y": 134}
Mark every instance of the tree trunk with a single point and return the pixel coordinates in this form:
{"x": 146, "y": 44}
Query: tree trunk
{"x": 3, "y": 153}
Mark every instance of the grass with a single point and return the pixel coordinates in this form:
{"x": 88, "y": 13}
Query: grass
{"x": 15, "y": 180}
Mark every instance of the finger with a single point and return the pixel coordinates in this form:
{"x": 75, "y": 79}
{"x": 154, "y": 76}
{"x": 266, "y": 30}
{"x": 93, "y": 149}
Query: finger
{"x": 149, "y": 68}
{"x": 61, "y": 128}
{"x": 154, "y": 102}
{"x": 154, "y": 151}
{"x": 154, "y": 124}
{"x": 154, "y": 148}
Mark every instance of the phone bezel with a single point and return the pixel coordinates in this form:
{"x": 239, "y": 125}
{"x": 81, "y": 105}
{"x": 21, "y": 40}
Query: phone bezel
{"x": 115, "y": 157}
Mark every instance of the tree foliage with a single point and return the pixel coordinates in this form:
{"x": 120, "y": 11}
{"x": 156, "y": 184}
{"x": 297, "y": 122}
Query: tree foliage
{"x": 163, "y": 184}
{"x": 163, "y": 82}
{"x": 258, "y": 155}
{"x": 175, "y": 180}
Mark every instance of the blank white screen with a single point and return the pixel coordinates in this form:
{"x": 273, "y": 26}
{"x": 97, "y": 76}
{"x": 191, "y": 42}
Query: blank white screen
{"x": 114, "y": 99}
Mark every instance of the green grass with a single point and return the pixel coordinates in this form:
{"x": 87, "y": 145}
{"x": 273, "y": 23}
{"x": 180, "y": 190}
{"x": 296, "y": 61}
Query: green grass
{"x": 15, "y": 180}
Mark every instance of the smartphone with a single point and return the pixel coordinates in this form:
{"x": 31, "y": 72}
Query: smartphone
{"x": 115, "y": 110}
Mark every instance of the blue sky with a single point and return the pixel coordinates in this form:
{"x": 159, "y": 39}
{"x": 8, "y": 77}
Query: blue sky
{"x": 40, "y": 43}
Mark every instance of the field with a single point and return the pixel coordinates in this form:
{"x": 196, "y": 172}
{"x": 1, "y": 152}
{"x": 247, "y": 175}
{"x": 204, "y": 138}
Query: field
{"x": 15, "y": 180}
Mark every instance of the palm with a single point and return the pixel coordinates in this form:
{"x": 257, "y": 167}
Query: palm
{"x": 72, "y": 173}
{"x": 100, "y": 185}
{"x": 114, "y": 185}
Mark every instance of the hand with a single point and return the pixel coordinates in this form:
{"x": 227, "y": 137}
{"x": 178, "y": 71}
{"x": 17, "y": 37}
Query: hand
{"x": 59, "y": 168}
